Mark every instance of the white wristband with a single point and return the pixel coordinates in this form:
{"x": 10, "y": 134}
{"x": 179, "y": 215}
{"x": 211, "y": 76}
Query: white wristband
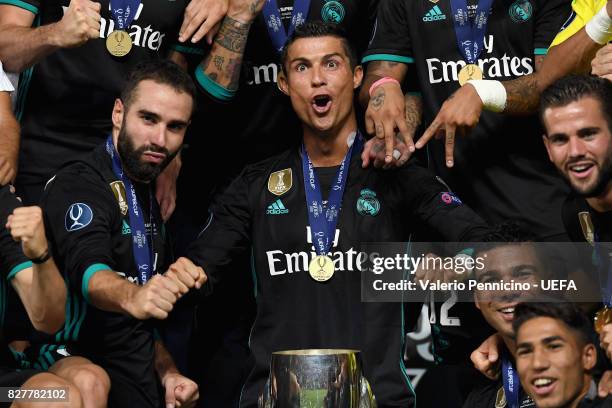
{"x": 492, "y": 93}
{"x": 599, "y": 28}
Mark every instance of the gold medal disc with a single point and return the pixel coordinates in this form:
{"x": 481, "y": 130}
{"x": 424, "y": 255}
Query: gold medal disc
{"x": 602, "y": 317}
{"x": 118, "y": 43}
{"x": 321, "y": 268}
{"x": 469, "y": 72}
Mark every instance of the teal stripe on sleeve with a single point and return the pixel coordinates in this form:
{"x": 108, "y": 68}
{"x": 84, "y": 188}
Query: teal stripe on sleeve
{"x": 540, "y": 51}
{"x": 17, "y": 269}
{"x": 21, "y": 4}
{"x": 89, "y": 272}
{"x": 388, "y": 57}
{"x": 213, "y": 88}
{"x": 184, "y": 49}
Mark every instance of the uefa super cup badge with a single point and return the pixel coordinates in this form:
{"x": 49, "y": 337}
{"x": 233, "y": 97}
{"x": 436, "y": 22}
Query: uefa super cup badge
{"x": 321, "y": 268}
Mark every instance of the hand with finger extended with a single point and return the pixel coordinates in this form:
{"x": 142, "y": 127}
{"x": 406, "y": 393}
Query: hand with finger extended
{"x": 155, "y": 299}
{"x": 186, "y": 275}
{"x": 386, "y": 116}
{"x": 26, "y": 226}
{"x": 80, "y": 23}
{"x": 202, "y": 18}
{"x": 460, "y": 112}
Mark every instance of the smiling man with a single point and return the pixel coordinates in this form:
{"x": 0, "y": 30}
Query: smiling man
{"x": 555, "y": 355}
{"x": 303, "y": 215}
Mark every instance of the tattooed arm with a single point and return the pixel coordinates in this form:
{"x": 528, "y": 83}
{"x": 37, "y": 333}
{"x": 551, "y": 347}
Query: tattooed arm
{"x": 386, "y": 111}
{"x": 219, "y": 72}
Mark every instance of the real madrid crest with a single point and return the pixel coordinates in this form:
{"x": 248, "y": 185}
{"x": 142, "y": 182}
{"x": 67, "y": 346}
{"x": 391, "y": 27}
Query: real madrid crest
{"x": 280, "y": 182}
{"x": 588, "y": 230}
{"x": 120, "y": 195}
{"x": 333, "y": 12}
{"x": 368, "y": 204}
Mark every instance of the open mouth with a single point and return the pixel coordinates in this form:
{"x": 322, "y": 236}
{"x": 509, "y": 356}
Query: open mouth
{"x": 507, "y": 312}
{"x": 581, "y": 169}
{"x": 543, "y": 385}
{"x": 321, "y": 103}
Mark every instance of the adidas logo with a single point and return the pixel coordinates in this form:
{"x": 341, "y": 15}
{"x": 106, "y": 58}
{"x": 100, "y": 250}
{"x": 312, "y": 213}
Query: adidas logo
{"x": 434, "y": 14}
{"x": 277, "y": 208}
{"x": 125, "y": 229}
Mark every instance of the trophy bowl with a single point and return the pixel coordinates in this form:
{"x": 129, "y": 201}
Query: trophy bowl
{"x": 325, "y": 378}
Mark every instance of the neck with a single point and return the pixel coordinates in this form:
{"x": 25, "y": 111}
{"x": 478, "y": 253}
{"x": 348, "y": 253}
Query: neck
{"x": 510, "y": 345}
{"x": 603, "y": 202}
{"x": 328, "y": 148}
{"x": 585, "y": 390}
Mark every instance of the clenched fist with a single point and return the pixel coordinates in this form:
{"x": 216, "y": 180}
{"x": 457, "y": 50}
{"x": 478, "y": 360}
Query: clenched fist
{"x": 186, "y": 275}
{"x": 156, "y": 298}
{"x": 26, "y": 226}
{"x": 81, "y": 23}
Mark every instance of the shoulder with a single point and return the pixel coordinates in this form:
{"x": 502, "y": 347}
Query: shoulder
{"x": 263, "y": 169}
{"x": 486, "y": 395}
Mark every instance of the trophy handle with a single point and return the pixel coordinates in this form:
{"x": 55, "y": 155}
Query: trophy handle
{"x": 366, "y": 397}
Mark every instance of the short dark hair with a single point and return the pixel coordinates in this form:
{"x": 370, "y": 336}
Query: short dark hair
{"x": 161, "y": 71}
{"x": 569, "y": 313}
{"x": 575, "y": 87}
{"x": 502, "y": 234}
{"x": 314, "y": 29}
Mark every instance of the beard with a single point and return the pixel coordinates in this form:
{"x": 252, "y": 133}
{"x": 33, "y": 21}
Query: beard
{"x": 601, "y": 183}
{"x": 131, "y": 158}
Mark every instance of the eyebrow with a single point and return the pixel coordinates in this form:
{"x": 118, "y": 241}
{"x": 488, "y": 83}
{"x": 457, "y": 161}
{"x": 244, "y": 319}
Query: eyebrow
{"x": 158, "y": 117}
{"x": 325, "y": 57}
{"x": 546, "y": 340}
{"x": 588, "y": 131}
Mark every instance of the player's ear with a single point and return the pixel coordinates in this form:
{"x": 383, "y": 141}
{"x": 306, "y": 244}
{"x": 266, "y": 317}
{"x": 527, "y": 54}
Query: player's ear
{"x": 357, "y": 76}
{"x": 118, "y": 112}
{"x": 282, "y": 83}
{"x": 589, "y": 357}
{"x": 547, "y": 145}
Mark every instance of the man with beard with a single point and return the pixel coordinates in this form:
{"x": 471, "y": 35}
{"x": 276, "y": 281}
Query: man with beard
{"x": 109, "y": 240}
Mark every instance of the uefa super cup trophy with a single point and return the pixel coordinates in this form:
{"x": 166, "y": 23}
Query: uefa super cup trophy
{"x": 324, "y": 378}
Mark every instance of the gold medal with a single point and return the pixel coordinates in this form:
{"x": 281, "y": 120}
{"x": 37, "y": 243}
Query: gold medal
{"x": 469, "y": 72}
{"x": 602, "y": 317}
{"x": 118, "y": 43}
{"x": 321, "y": 268}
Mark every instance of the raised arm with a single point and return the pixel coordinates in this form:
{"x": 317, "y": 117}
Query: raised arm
{"x": 22, "y": 45}
{"x": 219, "y": 72}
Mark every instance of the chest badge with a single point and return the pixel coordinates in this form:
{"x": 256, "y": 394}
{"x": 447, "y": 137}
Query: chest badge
{"x": 588, "y": 230}
{"x": 520, "y": 11}
{"x": 119, "y": 191}
{"x": 280, "y": 182}
{"x": 368, "y": 204}
{"x": 333, "y": 12}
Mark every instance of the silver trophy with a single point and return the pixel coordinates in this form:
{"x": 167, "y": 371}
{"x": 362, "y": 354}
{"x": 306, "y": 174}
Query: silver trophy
{"x": 325, "y": 378}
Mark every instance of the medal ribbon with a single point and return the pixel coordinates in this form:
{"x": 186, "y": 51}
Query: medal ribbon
{"x": 142, "y": 250}
{"x": 512, "y": 386}
{"x": 123, "y": 12}
{"x": 470, "y": 33}
{"x": 606, "y": 292}
{"x": 323, "y": 221}
{"x": 276, "y": 30}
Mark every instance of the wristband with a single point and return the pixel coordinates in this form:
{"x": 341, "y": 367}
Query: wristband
{"x": 599, "y": 28}
{"x": 380, "y": 82}
{"x": 43, "y": 258}
{"x": 492, "y": 93}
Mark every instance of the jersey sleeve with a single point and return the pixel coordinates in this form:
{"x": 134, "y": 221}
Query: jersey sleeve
{"x": 30, "y": 5}
{"x": 79, "y": 214}
{"x": 548, "y": 22}
{"x": 5, "y": 83}
{"x": 391, "y": 36}
{"x": 438, "y": 208}
{"x": 227, "y": 231}
{"x": 12, "y": 259}
{"x": 582, "y": 12}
